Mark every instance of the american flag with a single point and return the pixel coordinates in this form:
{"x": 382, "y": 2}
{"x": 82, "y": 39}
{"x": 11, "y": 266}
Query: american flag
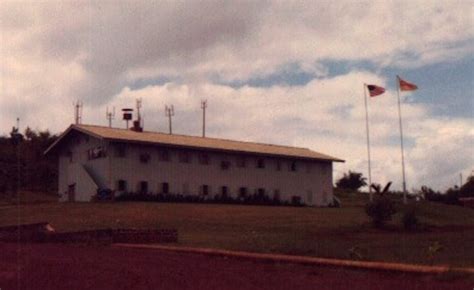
{"x": 375, "y": 90}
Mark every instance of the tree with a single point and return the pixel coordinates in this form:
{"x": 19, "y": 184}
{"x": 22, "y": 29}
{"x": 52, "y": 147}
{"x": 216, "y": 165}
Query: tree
{"x": 351, "y": 180}
{"x": 467, "y": 189}
{"x": 37, "y": 172}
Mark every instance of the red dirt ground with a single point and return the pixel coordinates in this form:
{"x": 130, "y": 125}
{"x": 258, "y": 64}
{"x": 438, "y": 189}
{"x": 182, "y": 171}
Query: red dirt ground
{"x": 59, "y": 266}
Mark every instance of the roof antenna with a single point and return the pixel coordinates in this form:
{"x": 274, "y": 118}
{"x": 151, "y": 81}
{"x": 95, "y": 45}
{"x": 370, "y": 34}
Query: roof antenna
{"x": 77, "y": 112}
{"x": 139, "y": 105}
{"x": 203, "y": 107}
{"x": 137, "y": 124}
{"x": 110, "y": 116}
{"x": 169, "y": 112}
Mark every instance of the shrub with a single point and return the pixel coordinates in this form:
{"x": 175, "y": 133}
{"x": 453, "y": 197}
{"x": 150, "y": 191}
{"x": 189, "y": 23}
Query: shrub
{"x": 253, "y": 199}
{"x": 380, "y": 210}
{"x": 410, "y": 219}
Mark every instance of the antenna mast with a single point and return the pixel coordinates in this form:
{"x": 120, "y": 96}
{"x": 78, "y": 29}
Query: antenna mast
{"x": 169, "y": 112}
{"x": 110, "y": 116}
{"x": 139, "y": 105}
{"x": 203, "y": 107}
{"x": 77, "y": 112}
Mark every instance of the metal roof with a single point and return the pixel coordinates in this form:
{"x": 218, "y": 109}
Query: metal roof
{"x": 206, "y": 143}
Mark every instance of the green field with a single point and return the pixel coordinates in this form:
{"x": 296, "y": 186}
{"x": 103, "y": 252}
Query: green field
{"x": 322, "y": 232}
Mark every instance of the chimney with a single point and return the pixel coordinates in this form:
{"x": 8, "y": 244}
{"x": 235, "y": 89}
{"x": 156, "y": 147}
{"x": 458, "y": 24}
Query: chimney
{"x": 136, "y": 126}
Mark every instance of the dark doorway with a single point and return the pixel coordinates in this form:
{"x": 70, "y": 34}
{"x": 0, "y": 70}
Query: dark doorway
{"x": 165, "y": 187}
{"x": 71, "y": 192}
{"x": 143, "y": 187}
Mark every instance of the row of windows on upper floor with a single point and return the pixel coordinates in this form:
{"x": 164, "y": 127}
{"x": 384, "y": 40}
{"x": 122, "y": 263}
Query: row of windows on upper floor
{"x": 205, "y": 159}
{"x": 185, "y": 157}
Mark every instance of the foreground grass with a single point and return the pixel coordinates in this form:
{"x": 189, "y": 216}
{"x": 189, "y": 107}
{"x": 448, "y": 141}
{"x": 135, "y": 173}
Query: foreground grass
{"x": 322, "y": 232}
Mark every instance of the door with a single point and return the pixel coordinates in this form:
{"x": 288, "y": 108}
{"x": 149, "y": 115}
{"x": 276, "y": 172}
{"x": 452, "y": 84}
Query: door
{"x": 71, "y": 192}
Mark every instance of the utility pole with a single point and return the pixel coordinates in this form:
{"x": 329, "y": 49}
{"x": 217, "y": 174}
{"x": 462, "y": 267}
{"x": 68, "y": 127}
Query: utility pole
{"x": 169, "y": 112}
{"x": 18, "y": 217}
{"x": 18, "y": 141}
{"x": 110, "y": 116}
{"x": 460, "y": 177}
{"x": 77, "y": 112}
{"x": 203, "y": 107}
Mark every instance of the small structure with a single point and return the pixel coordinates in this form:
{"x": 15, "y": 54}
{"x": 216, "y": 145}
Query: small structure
{"x": 96, "y": 159}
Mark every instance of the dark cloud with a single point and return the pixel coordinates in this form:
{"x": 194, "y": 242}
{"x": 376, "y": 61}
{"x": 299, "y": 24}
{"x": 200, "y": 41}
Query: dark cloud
{"x": 110, "y": 40}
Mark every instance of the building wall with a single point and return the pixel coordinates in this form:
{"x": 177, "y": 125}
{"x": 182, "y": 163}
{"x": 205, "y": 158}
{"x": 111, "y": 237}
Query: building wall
{"x": 73, "y": 156}
{"x": 312, "y": 180}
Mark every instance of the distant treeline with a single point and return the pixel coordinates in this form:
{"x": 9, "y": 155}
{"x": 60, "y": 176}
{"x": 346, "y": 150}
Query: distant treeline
{"x": 37, "y": 172}
{"x": 452, "y": 195}
{"x": 353, "y": 181}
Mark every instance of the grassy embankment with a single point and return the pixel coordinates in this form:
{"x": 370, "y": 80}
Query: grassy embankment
{"x": 322, "y": 232}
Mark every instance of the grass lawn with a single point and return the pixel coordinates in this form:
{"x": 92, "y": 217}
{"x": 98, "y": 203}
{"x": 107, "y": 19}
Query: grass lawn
{"x": 322, "y": 232}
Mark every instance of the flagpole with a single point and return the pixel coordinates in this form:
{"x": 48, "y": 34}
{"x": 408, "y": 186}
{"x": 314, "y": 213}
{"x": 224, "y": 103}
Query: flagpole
{"x": 368, "y": 140}
{"x": 401, "y": 142}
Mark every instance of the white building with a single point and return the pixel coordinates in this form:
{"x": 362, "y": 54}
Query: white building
{"x": 94, "y": 157}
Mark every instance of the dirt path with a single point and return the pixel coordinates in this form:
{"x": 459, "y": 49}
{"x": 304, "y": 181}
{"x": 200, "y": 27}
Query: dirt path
{"x": 53, "y": 266}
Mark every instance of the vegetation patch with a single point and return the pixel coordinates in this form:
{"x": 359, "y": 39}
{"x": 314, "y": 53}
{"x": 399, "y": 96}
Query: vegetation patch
{"x": 343, "y": 233}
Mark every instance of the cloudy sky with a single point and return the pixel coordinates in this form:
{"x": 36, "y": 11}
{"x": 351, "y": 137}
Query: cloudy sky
{"x": 281, "y": 72}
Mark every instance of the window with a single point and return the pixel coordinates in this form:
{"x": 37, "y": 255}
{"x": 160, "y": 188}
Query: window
{"x": 145, "y": 157}
{"x": 204, "y": 158}
{"x": 243, "y": 192}
{"x": 184, "y": 157}
{"x": 205, "y": 189}
{"x": 120, "y": 150}
{"x": 260, "y": 163}
{"x": 224, "y": 191}
{"x": 122, "y": 185}
{"x": 165, "y": 187}
{"x": 225, "y": 165}
{"x": 164, "y": 155}
{"x": 143, "y": 187}
{"x": 96, "y": 152}
{"x": 241, "y": 162}
{"x": 278, "y": 165}
{"x": 261, "y": 192}
{"x": 293, "y": 166}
